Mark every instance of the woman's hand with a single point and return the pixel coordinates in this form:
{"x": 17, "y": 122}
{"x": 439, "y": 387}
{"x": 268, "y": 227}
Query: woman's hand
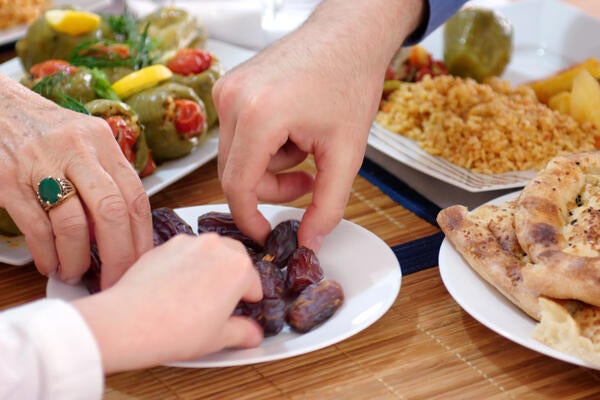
{"x": 41, "y": 139}
{"x": 175, "y": 304}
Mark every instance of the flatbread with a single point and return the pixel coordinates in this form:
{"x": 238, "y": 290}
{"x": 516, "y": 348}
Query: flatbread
{"x": 573, "y": 328}
{"x": 557, "y": 220}
{"x": 486, "y": 238}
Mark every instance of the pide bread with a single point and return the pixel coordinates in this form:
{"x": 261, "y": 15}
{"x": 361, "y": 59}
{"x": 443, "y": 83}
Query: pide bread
{"x": 541, "y": 250}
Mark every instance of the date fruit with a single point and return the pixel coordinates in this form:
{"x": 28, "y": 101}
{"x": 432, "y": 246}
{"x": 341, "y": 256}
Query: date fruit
{"x": 271, "y": 278}
{"x": 281, "y": 242}
{"x": 303, "y": 269}
{"x": 223, "y": 224}
{"x": 269, "y": 313}
{"x": 315, "y": 304}
{"x": 166, "y": 224}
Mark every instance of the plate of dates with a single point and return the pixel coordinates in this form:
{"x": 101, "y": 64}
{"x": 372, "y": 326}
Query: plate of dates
{"x": 365, "y": 268}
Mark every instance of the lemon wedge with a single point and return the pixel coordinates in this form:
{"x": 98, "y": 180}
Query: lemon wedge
{"x": 141, "y": 79}
{"x": 72, "y": 22}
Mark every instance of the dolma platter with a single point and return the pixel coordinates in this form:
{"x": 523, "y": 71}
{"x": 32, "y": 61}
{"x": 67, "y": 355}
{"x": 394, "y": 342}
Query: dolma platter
{"x": 13, "y": 250}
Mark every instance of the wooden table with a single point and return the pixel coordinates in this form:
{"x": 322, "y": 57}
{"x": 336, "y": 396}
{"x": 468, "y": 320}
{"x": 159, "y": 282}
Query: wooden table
{"x": 425, "y": 346}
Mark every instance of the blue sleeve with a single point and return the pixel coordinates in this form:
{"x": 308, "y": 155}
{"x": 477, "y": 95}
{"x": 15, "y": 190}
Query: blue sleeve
{"x": 436, "y": 13}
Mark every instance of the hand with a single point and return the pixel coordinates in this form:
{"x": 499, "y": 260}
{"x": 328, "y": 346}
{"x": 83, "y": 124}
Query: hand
{"x": 175, "y": 304}
{"x": 316, "y": 91}
{"x": 276, "y": 109}
{"x": 41, "y": 139}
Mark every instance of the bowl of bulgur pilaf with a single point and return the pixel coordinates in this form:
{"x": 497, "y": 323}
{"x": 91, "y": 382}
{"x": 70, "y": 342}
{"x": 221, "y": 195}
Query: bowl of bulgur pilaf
{"x": 488, "y": 128}
{"x": 16, "y": 12}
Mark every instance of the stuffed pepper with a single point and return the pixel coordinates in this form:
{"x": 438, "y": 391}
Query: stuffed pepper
{"x": 173, "y": 29}
{"x": 7, "y": 225}
{"x": 174, "y": 118}
{"x": 199, "y": 70}
{"x": 128, "y": 132}
{"x": 55, "y": 34}
{"x": 64, "y": 83}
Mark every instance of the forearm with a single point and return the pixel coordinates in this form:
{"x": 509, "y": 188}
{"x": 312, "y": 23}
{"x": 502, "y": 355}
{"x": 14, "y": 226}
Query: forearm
{"x": 371, "y": 28}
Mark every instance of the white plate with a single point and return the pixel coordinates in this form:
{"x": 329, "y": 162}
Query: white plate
{"x": 12, "y": 34}
{"x": 13, "y": 250}
{"x": 361, "y": 262}
{"x": 487, "y": 305}
{"x": 556, "y": 38}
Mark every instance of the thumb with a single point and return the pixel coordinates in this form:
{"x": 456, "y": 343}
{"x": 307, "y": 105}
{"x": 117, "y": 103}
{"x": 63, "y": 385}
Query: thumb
{"x": 241, "y": 332}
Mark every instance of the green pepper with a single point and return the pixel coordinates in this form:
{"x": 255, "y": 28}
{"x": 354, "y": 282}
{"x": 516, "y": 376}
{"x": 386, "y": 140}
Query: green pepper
{"x": 42, "y": 42}
{"x": 7, "y": 225}
{"x": 173, "y": 29}
{"x": 477, "y": 43}
{"x": 155, "y": 108}
{"x": 80, "y": 85}
{"x": 202, "y": 84}
{"x": 108, "y": 108}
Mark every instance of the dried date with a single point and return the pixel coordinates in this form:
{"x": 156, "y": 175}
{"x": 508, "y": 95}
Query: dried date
{"x": 269, "y": 313}
{"x": 315, "y": 304}
{"x": 166, "y": 224}
{"x": 303, "y": 269}
{"x": 281, "y": 242}
{"x": 271, "y": 278}
{"x": 223, "y": 224}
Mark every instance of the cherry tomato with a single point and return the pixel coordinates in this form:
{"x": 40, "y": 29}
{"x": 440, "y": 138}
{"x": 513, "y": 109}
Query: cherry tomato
{"x": 189, "y": 119}
{"x": 150, "y": 166}
{"x": 111, "y": 51}
{"x": 190, "y": 61}
{"x": 125, "y": 136}
{"x": 51, "y": 67}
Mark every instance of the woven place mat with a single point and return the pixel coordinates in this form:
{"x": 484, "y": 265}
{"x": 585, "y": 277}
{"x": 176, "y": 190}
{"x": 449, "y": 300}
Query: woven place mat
{"x": 418, "y": 254}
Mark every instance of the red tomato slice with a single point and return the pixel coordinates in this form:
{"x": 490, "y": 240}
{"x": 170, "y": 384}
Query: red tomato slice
{"x": 190, "y": 61}
{"x": 51, "y": 67}
{"x": 125, "y": 136}
{"x": 189, "y": 119}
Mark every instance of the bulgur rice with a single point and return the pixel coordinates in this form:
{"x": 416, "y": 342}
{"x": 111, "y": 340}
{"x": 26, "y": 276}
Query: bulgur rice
{"x": 15, "y": 12}
{"x": 488, "y": 128}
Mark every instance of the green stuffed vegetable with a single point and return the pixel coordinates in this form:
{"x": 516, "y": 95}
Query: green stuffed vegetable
{"x": 174, "y": 118}
{"x": 7, "y": 225}
{"x": 128, "y": 131}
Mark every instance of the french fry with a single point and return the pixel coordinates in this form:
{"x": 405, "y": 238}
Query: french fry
{"x": 563, "y": 80}
{"x": 585, "y": 99}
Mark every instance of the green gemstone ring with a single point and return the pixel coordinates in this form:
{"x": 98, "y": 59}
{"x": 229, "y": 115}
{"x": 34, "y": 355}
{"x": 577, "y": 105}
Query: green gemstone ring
{"x": 53, "y": 191}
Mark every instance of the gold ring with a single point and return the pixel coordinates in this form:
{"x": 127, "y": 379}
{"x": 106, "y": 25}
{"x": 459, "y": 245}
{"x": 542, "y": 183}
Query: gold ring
{"x": 53, "y": 191}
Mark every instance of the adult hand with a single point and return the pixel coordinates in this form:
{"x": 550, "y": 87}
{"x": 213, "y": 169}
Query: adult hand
{"x": 41, "y": 139}
{"x": 171, "y": 307}
{"x": 315, "y": 91}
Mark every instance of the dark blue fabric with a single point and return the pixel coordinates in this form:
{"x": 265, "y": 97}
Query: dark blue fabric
{"x": 437, "y": 13}
{"x": 421, "y": 253}
{"x": 399, "y": 191}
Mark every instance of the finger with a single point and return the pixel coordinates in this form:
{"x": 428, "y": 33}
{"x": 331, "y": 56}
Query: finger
{"x": 227, "y": 117}
{"x": 31, "y": 219}
{"x": 135, "y": 196}
{"x": 71, "y": 237}
{"x": 281, "y": 188}
{"x": 246, "y": 165}
{"x": 289, "y": 155}
{"x": 108, "y": 209}
{"x": 241, "y": 332}
{"x": 330, "y": 196}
